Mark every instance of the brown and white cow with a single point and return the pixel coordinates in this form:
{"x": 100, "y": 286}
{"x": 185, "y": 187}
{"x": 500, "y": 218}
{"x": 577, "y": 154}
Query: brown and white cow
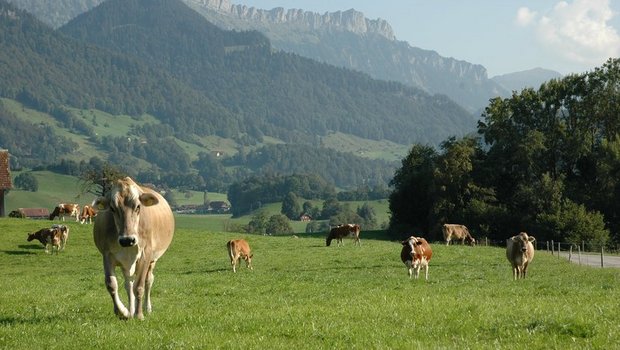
{"x": 66, "y": 209}
{"x": 341, "y": 231}
{"x": 64, "y": 234}
{"x": 133, "y": 229}
{"x": 416, "y": 253}
{"x": 49, "y": 237}
{"x": 457, "y": 232}
{"x": 239, "y": 249}
{"x": 88, "y": 213}
{"x": 520, "y": 253}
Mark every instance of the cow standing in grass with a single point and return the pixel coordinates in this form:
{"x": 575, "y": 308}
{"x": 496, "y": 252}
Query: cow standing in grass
{"x": 341, "y": 231}
{"x": 457, "y": 232}
{"x": 520, "y": 253}
{"x": 49, "y": 237}
{"x": 416, "y": 253}
{"x": 239, "y": 249}
{"x": 133, "y": 229}
{"x": 66, "y": 209}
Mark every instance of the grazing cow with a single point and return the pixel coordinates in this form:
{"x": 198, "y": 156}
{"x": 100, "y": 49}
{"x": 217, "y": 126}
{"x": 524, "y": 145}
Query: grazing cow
{"x": 66, "y": 209}
{"x": 520, "y": 253}
{"x": 460, "y": 232}
{"x": 416, "y": 253}
{"x": 64, "y": 234}
{"x": 88, "y": 213}
{"x": 49, "y": 237}
{"x": 342, "y": 231}
{"x": 238, "y": 249}
{"x": 133, "y": 229}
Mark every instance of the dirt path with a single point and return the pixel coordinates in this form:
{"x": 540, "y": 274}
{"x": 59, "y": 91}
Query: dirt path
{"x": 592, "y": 259}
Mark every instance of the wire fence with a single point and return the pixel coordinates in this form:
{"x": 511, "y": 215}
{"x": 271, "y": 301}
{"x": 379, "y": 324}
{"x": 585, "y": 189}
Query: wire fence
{"x": 586, "y": 253}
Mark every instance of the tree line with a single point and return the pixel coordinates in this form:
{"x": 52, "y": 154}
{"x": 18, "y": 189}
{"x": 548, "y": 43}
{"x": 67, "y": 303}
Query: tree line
{"x": 545, "y": 161}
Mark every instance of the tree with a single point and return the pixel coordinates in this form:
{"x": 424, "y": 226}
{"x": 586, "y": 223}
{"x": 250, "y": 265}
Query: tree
{"x": 278, "y": 224}
{"x": 410, "y": 201}
{"x": 290, "y": 206}
{"x": 27, "y": 182}
{"x": 97, "y": 180}
{"x": 258, "y": 223}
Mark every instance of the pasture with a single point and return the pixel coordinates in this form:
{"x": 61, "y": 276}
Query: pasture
{"x": 302, "y": 295}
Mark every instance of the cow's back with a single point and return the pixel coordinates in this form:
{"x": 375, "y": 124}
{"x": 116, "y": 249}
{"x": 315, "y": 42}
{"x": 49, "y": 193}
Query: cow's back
{"x": 157, "y": 224}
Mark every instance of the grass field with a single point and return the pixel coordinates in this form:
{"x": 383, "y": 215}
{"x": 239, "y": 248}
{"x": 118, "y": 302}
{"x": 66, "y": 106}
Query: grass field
{"x": 302, "y": 295}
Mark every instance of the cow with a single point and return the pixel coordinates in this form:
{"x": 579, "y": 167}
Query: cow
{"x": 520, "y": 253}
{"x": 49, "y": 237}
{"x": 133, "y": 229}
{"x": 455, "y": 231}
{"x": 342, "y": 231}
{"x": 416, "y": 253}
{"x": 88, "y": 213}
{"x": 66, "y": 209}
{"x": 64, "y": 234}
{"x": 239, "y": 249}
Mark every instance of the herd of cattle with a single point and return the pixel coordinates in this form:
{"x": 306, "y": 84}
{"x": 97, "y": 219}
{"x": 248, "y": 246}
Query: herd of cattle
{"x": 134, "y": 225}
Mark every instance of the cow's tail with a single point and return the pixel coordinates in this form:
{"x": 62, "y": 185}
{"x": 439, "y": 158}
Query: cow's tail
{"x": 328, "y": 241}
{"x": 229, "y": 245}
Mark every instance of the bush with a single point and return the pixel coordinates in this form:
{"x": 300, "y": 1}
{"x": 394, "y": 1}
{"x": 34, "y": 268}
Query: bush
{"x": 27, "y": 182}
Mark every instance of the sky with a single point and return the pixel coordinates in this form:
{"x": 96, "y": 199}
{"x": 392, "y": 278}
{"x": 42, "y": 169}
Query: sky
{"x": 505, "y": 36}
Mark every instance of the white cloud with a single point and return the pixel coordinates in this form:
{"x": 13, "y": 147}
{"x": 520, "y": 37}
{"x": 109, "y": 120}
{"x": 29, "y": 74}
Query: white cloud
{"x": 525, "y": 16}
{"x": 578, "y": 31}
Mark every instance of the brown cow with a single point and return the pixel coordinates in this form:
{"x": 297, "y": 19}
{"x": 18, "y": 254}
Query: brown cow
{"x": 133, "y": 229}
{"x": 455, "y": 231}
{"x": 64, "y": 234}
{"x": 342, "y": 231}
{"x": 238, "y": 249}
{"x": 520, "y": 253}
{"x": 66, "y": 209}
{"x": 416, "y": 253}
{"x": 88, "y": 213}
{"x": 49, "y": 237}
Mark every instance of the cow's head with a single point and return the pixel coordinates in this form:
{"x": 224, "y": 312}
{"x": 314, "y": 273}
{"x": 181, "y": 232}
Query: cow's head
{"x": 522, "y": 240}
{"x": 124, "y": 201}
{"x": 31, "y": 236}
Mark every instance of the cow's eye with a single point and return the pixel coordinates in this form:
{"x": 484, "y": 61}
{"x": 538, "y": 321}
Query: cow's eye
{"x": 138, "y": 209}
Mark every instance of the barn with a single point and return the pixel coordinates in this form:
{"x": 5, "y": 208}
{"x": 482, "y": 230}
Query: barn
{"x": 5, "y": 179}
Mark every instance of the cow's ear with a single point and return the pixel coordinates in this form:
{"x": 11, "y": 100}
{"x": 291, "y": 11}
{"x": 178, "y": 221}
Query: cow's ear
{"x": 148, "y": 199}
{"x": 101, "y": 203}
{"x": 531, "y": 238}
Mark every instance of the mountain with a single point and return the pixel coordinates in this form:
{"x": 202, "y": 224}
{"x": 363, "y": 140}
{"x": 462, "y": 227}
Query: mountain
{"x": 153, "y": 87}
{"x": 278, "y": 94}
{"x": 532, "y": 78}
{"x": 348, "y": 39}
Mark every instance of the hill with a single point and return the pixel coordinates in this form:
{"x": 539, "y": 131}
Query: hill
{"x": 532, "y": 78}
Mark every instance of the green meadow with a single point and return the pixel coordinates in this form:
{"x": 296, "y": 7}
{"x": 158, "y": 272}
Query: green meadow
{"x": 302, "y": 295}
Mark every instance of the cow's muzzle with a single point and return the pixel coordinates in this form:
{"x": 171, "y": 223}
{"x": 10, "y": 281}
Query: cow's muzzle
{"x": 127, "y": 241}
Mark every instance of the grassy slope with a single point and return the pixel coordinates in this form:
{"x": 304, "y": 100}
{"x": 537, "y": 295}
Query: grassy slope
{"x": 105, "y": 124}
{"x": 302, "y": 294}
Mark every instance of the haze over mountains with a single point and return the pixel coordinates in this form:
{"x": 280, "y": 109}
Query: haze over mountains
{"x": 345, "y": 39}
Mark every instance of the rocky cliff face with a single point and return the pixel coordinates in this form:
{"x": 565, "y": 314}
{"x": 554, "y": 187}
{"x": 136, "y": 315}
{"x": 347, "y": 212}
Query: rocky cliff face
{"x": 351, "y": 20}
{"x": 348, "y": 39}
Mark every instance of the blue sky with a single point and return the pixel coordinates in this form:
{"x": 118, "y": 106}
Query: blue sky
{"x": 505, "y": 36}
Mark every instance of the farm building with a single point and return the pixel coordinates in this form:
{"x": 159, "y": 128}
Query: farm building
{"x": 5, "y": 178}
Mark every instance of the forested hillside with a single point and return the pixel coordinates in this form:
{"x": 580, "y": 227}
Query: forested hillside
{"x": 547, "y": 162}
{"x": 278, "y": 94}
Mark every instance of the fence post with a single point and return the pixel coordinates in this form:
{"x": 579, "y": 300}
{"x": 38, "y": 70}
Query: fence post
{"x": 558, "y": 250}
{"x": 602, "y": 251}
{"x": 552, "y": 244}
{"x": 547, "y": 246}
{"x": 583, "y": 246}
{"x": 570, "y": 253}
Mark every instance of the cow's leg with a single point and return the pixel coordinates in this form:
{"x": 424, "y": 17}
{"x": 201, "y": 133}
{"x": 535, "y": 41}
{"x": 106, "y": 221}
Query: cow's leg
{"x": 426, "y": 271}
{"x": 150, "y": 278}
{"x": 233, "y": 262}
{"x": 409, "y": 268}
{"x": 140, "y": 286}
{"x": 112, "y": 286}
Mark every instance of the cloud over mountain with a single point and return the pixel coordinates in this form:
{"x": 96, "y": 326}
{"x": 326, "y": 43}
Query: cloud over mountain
{"x": 577, "y": 31}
